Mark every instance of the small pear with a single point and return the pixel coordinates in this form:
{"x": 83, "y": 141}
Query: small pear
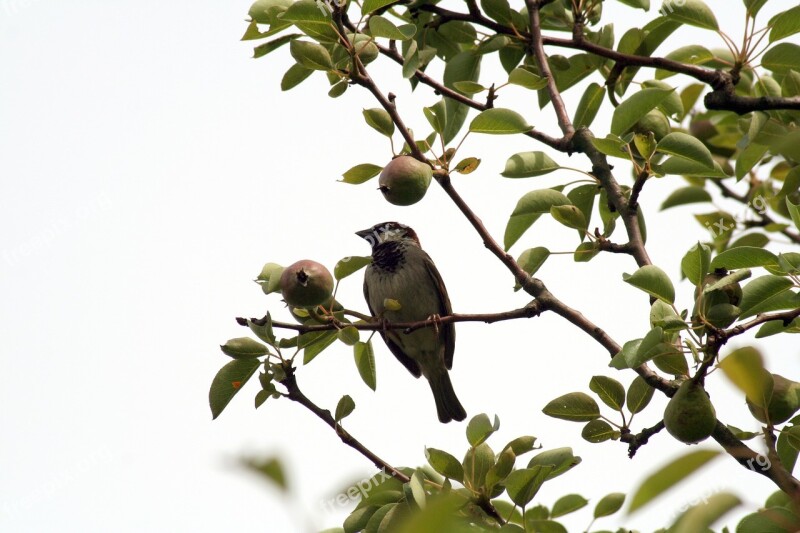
{"x": 306, "y": 283}
{"x": 404, "y": 181}
{"x": 690, "y": 417}
{"x": 785, "y": 402}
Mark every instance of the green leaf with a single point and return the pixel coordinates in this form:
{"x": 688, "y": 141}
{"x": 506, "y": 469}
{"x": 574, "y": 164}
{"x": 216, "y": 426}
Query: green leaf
{"x": 263, "y": 332}
{"x": 570, "y": 216}
{"x": 528, "y": 165}
{"x": 588, "y": 106}
{"x": 748, "y": 158}
{"x": 380, "y": 120}
{"x": 744, "y": 257}
{"x": 539, "y": 202}
{"x": 464, "y": 66}
{"x": 228, "y": 381}
{"x": 270, "y": 468}
{"x": 498, "y": 10}
{"x": 358, "y": 519}
{"x": 311, "y": 55}
{"x": 692, "y": 12}
{"x": 499, "y": 121}
{"x": 560, "y": 459}
{"x": 531, "y": 260}
{"x": 609, "y": 504}
{"x": 361, "y": 173}
{"x": 522, "y": 485}
{"x": 686, "y": 195}
{"x": 700, "y": 517}
{"x": 669, "y": 475}
{"x": 525, "y": 78}
{"x": 568, "y": 504}
{"x": 349, "y": 335}
{"x": 437, "y": 116}
{"x": 761, "y": 290}
{"x": 294, "y": 76}
{"x": 575, "y": 407}
{"x": 782, "y": 58}
{"x": 611, "y": 146}
{"x": 477, "y": 463}
{"x": 344, "y": 408}
{"x": 365, "y": 363}
{"x": 480, "y": 428}
{"x": 610, "y": 391}
{"x": 774, "y": 520}
{"x": 467, "y": 165}
{"x": 263, "y": 49}
{"x": 468, "y": 87}
{"x": 313, "y": 345}
{"x": 639, "y": 395}
{"x": 689, "y": 169}
{"x": 244, "y": 348}
{"x": 745, "y": 368}
{"x": 653, "y": 281}
{"x": 635, "y": 107}
{"x": 785, "y": 24}
{"x": 794, "y": 212}
{"x": 382, "y": 27}
{"x": 686, "y": 147}
{"x": 754, "y": 6}
{"x": 373, "y": 5}
{"x": 445, "y": 464}
{"x": 693, "y": 54}
{"x": 598, "y": 431}
{"x": 350, "y": 265}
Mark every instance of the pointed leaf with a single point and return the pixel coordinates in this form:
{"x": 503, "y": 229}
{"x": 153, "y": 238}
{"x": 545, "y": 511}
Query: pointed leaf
{"x": 311, "y": 55}
{"x": 575, "y": 407}
{"x": 692, "y": 12}
{"x": 610, "y": 391}
{"x": 686, "y": 147}
{"x": 365, "y": 363}
{"x": 344, "y": 407}
{"x": 528, "y": 165}
{"x": 244, "y": 348}
{"x": 361, "y": 173}
{"x": 380, "y": 120}
{"x": 669, "y": 475}
{"x": 588, "y": 106}
{"x": 639, "y": 395}
{"x": 609, "y": 504}
{"x": 653, "y": 281}
{"x": 635, "y": 107}
{"x": 499, "y": 121}
{"x": 228, "y": 381}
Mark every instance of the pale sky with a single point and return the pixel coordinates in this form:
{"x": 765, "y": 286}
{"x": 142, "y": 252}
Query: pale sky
{"x": 150, "y": 168}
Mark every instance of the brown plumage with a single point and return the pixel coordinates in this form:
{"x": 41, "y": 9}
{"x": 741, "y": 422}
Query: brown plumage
{"x": 402, "y": 271}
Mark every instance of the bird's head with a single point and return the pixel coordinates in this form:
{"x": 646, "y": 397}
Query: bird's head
{"x": 388, "y": 231}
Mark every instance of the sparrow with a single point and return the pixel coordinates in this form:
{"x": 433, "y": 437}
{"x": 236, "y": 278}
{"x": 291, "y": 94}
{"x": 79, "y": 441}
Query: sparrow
{"x": 402, "y": 271}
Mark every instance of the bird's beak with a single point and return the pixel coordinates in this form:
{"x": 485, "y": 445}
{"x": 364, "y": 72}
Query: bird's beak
{"x": 364, "y": 233}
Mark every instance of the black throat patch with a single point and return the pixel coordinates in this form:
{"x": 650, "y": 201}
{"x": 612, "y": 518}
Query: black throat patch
{"x": 389, "y": 256}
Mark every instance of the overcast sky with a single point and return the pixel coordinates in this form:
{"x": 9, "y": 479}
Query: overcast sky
{"x": 150, "y": 168}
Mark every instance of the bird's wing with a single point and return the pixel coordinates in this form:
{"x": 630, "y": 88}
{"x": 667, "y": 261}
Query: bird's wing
{"x": 448, "y": 331}
{"x": 409, "y": 363}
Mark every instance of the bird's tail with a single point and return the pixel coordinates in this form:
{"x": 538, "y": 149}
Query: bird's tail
{"x": 447, "y": 405}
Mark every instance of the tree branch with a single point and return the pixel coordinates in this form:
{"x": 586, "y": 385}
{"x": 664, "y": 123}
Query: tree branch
{"x": 537, "y": 48}
{"x": 529, "y": 311}
{"x": 295, "y": 394}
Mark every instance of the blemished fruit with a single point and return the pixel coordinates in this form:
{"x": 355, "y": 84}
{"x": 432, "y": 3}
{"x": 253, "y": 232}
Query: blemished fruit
{"x": 785, "y": 401}
{"x": 306, "y": 283}
{"x": 690, "y": 417}
{"x": 404, "y": 181}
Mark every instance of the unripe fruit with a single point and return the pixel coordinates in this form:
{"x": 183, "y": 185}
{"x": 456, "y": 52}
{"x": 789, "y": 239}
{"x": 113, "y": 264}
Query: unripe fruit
{"x": 654, "y": 121}
{"x": 306, "y": 283}
{"x": 718, "y": 307}
{"x": 366, "y": 49}
{"x": 404, "y": 181}
{"x": 690, "y": 417}
{"x": 785, "y": 401}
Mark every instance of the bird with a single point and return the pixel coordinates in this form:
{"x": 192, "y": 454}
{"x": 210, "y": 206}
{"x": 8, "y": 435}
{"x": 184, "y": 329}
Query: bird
{"x": 402, "y": 271}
